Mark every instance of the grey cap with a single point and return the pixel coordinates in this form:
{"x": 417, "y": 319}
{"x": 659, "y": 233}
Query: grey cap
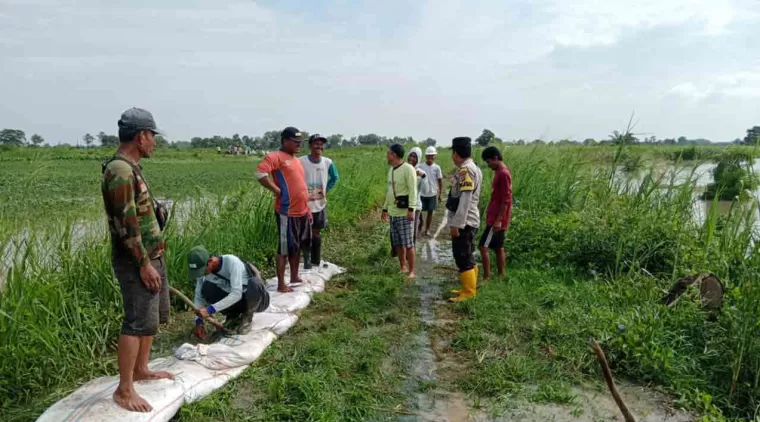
{"x": 138, "y": 119}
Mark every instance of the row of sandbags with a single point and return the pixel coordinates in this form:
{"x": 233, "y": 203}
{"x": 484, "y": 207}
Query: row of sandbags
{"x": 199, "y": 369}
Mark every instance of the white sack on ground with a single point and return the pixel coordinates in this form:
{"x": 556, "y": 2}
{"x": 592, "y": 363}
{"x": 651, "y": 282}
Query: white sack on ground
{"x": 199, "y": 382}
{"x": 288, "y": 302}
{"x": 93, "y": 401}
{"x": 238, "y": 350}
{"x": 224, "y": 360}
{"x": 276, "y": 323}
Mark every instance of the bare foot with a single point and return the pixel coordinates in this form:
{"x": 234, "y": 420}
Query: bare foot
{"x": 412, "y": 275}
{"x": 131, "y": 401}
{"x": 296, "y": 281}
{"x": 150, "y": 375}
{"x": 404, "y": 270}
{"x": 285, "y": 289}
{"x": 485, "y": 280}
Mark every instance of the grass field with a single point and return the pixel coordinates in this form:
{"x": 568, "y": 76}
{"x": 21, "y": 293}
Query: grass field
{"x": 589, "y": 255}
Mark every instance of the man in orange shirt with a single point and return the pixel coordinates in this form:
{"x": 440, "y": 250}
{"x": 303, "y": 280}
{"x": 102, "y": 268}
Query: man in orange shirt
{"x": 291, "y": 204}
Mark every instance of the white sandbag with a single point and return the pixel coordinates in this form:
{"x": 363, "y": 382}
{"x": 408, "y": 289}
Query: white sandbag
{"x": 288, "y": 302}
{"x": 276, "y": 323}
{"x": 204, "y": 368}
{"x": 93, "y": 401}
{"x": 229, "y": 352}
{"x": 198, "y": 381}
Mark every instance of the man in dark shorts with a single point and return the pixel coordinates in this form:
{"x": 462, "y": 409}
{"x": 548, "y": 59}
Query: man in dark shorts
{"x": 137, "y": 245}
{"x": 498, "y": 213}
{"x": 291, "y": 203}
{"x": 228, "y": 285}
{"x": 321, "y": 177}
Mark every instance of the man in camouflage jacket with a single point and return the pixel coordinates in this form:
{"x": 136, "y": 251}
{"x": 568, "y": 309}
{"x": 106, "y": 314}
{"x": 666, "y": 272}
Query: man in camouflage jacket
{"x": 138, "y": 254}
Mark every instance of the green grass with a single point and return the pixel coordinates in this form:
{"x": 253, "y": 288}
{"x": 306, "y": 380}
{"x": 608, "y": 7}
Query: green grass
{"x": 344, "y": 359}
{"x": 60, "y": 308}
{"x": 588, "y": 255}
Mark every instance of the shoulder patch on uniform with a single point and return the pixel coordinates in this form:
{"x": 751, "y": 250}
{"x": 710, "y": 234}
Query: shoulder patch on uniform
{"x": 466, "y": 184}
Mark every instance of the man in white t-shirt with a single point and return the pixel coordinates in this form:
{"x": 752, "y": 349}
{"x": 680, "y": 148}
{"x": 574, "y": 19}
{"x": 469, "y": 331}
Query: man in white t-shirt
{"x": 433, "y": 190}
{"x": 321, "y": 177}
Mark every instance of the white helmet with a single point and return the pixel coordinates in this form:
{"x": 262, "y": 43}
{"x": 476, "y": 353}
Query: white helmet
{"x": 431, "y": 151}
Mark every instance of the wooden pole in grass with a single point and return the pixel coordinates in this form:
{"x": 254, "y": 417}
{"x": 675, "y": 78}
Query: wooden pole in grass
{"x": 190, "y": 303}
{"x": 610, "y": 382}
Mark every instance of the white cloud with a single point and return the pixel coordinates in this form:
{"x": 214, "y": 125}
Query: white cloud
{"x": 743, "y": 84}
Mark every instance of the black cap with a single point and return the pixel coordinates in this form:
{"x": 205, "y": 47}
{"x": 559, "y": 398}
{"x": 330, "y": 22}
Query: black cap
{"x": 316, "y": 137}
{"x": 398, "y": 150}
{"x": 461, "y": 141}
{"x": 291, "y": 132}
{"x": 136, "y": 119}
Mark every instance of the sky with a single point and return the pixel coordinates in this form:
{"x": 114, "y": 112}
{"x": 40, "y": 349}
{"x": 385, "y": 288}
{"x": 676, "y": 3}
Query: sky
{"x": 525, "y": 69}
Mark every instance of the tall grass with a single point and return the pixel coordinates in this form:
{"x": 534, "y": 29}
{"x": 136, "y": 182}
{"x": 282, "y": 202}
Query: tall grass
{"x": 572, "y": 212}
{"x": 60, "y": 308}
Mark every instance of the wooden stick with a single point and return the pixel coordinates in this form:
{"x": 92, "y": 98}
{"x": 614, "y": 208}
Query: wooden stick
{"x": 190, "y": 303}
{"x": 610, "y": 383}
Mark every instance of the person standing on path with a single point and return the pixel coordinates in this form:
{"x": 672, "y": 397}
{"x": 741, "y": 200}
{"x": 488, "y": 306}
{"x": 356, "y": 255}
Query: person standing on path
{"x": 321, "y": 177}
{"x": 464, "y": 216}
{"x": 290, "y": 206}
{"x": 137, "y": 246}
{"x": 432, "y": 192}
{"x": 498, "y": 213}
{"x": 228, "y": 285}
{"x": 400, "y": 202}
{"x": 413, "y": 158}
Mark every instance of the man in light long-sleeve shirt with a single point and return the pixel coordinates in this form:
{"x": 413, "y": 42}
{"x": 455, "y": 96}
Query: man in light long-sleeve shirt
{"x": 400, "y": 203}
{"x": 224, "y": 285}
{"x": 464, "y": 215}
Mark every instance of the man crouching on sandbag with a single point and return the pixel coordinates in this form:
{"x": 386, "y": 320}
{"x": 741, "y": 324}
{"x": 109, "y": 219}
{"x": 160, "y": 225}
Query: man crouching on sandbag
{"x": 228, "y": 285}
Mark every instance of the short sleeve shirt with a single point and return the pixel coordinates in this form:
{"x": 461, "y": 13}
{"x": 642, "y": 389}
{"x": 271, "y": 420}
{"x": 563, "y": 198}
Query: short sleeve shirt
{"x": 288, "y": 174}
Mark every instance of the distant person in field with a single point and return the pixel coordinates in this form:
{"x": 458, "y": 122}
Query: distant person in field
{"x": 464, "y": 216}
{"x": 498, "y": 213}
{"x": 321, "y": 177}
{"x": 432, "y": 192}
{"x": 228, "y": 285}
{"x": 137, "y": 245}
{"x": 413, "y": 159}
{"x": 291, "y": 203}
{"x": 400, "y": 202}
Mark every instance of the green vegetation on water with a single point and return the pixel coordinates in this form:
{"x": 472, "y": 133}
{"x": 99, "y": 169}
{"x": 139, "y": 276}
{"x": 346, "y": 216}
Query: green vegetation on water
{"x": 589, "y": 255}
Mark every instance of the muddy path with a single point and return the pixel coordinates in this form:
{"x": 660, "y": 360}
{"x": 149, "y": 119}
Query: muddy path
{"x": 436, "y": 366}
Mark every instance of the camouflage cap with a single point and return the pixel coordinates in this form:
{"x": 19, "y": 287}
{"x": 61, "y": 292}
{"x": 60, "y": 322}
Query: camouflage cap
{"x": 137, "y": 119}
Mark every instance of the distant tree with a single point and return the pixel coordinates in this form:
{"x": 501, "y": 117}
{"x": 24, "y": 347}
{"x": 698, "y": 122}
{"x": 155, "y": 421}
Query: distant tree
{"x": 87, "y": 139}
{"x": 589, "y": 141}
{"x": 161, "y": 141}
{"x": 521, "y": 142}
{"x": 682, "y": 140}
{"x": 37, "y": 140}
{"x": 430, "y": 142}
{"x": 334, "y": 141}
{"x": 485, "y": 138}
{"x": 12, "y": 137}
{"x": 108, "y": 140}
{"x": 737, "y": 141}
{"x": 668, "y": 141}
{"x": 619, "y": 138}
{"x": 538, "y": 142}
{"x": 753, "y": 136}
{"x": 373, "y": 139}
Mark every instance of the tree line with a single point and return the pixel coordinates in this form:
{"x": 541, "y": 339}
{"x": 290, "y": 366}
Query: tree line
{"x": 271, "y": 140}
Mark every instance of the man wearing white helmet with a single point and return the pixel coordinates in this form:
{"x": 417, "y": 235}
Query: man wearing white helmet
{"x": 432, "y": 191}
{"x": 413, "y": 158}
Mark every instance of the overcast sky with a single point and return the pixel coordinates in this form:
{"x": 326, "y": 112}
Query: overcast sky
{"x": 527, "y": 69}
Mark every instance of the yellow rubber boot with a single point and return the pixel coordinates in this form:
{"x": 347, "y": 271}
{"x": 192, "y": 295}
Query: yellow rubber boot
{"x": 457, "y": 291}
{"x": 469, "y": 280}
